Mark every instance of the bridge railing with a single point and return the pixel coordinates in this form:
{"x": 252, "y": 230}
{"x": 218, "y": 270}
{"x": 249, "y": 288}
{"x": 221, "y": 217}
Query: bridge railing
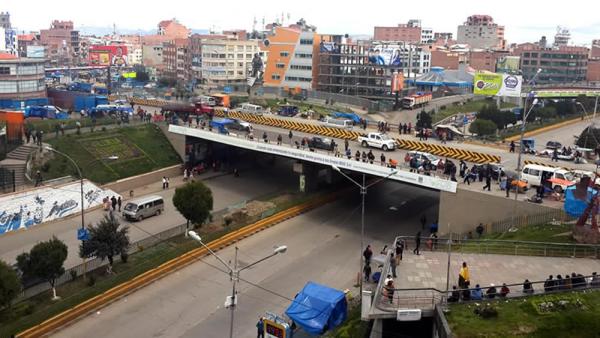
{"x": 505, "y": 247}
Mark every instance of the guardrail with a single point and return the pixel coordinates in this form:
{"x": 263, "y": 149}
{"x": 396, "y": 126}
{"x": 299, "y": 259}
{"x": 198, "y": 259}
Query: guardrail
{"x": 507, "y": 247}
{"x": 163, "y": 270}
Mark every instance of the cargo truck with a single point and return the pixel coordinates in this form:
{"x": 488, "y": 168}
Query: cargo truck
{"x": 416, "y": 101}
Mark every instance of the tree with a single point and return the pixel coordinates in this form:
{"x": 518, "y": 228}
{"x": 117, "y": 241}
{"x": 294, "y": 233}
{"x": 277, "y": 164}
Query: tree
{"x": 106, "y": 240}
{"x": 424, "y": 120}
{"x": 10, "y": 286}
{"x": 44, "y": 261}
{"x": 482, "y": 127}
{"x": 194, "y": 201}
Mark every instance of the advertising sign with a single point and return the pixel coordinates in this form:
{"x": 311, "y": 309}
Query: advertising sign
{"x": 508, "y": 64}
{"x": 36, "y": 51}
{"x": 493, "y": 84}
{"x": 386, "y": 55}
{"x": 397, "y": 82}
{"x": 129, "y": 75}
{"x": 113, "y": 55}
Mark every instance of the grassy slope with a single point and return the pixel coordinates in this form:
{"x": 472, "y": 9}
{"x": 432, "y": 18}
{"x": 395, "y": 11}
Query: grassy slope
{"x": 538, "y": 233}
{"x": 519, "y": 318}
{"x": 154, "y": 151}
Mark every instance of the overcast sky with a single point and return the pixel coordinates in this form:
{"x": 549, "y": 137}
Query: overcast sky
{"x": 525, "y": 20}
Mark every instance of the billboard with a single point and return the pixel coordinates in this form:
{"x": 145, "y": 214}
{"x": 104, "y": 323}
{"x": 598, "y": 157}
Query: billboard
{"x": 386, "y": 55}
{"x": 397, "y": 82}
{"x": 113, "y": 55}
{"x": 493, "y": 84}
{"x": 508, "y": 64}
{"x": 36, "y": 51}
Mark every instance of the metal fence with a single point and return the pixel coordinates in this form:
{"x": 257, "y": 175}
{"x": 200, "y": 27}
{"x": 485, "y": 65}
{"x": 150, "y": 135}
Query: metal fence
{"x": 7, "y": 180}
{"x": 550, "y": 216}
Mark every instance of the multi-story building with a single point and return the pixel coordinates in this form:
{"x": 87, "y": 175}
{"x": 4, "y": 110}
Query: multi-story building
{"x": 485, "y": 60}
{"x": 173, "y": 29}
{"x": 426, "y": 35}
{"x": 445, "y": 59}
{"x": 442, "y": 36}
{"x": 480, "y": 31}
{"x": 367, "y": 69}
{"x": 21, "y": 81}
{"x": 593, "y": 71}
{"x": 559, "y": 65}
{"x": 409, "y": 32}
{"x": 195, "y": 53}
{"x": 61, "y": 42}
{"x": 24, "y": 41}
{"x": 5, "y": 20}
{"x": 226, "y": 61}
{"x": 595, "y": 52}
{"x": 9, "y": 42}
{"x": 290, "y": 55}
{"x": 175, "y": 60}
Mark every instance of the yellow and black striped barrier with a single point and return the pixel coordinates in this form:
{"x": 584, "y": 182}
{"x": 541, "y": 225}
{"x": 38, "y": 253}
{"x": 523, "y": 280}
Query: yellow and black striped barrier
{"x": 445, "y": 151}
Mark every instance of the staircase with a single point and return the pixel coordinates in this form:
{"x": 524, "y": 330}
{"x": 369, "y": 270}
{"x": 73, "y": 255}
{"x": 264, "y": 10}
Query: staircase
{"x": 16, "y": 161}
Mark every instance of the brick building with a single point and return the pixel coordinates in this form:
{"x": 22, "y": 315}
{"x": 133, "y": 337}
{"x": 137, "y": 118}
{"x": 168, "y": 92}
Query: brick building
{"x": 61, "y": 42}
{"x": 593, "y": 71}
{"x": 559, "y": 65}
{"x": 175, "y": 60}
{"x": 409, "y": 32}
{"x": 480, "y": 31}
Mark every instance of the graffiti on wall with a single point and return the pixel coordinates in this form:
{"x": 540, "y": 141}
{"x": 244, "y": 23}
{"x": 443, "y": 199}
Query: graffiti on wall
{"x": 30, "y": 208}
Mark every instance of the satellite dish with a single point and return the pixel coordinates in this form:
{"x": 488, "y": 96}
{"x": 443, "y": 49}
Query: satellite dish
{"x": 266, "y": 42}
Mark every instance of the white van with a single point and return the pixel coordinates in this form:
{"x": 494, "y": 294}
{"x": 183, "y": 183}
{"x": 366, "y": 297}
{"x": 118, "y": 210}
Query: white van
{"x": 143, "y": 207}
{"x": 534, "y": 175}
{"x": 338, "y": 123}
{"x": 251, "y": 109}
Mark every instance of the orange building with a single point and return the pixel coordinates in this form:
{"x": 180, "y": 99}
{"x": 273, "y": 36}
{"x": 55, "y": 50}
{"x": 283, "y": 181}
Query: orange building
{"x": 290, "y": 61}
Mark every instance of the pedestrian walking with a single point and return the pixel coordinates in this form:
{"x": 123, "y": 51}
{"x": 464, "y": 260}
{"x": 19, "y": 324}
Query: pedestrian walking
{"x": 393, "y": 265}
{"x": 346, "y": 145}
{"x": 467, "y": 179}
{"x": 464, "y": 277}
{"x": 488, "y": 182}
{"x": 164, "y": 181}
{"x": 119, "y": 203}
{"x": 38, "y": 137}
{"x": 260, "y": 327}
{"x": 399, "y": 249}
{"x": 508, "y": 185}
{"x": 167, "y": 182}
{"x": 555, "y": 155}
{"x": 113, "y": 201}
{"x": 28, "y": 135}
{"x": 382, "y": 159}
{"x": 417, "y": 243}
{"x": 349, "y": 153}
{"x": 512, "y": 146}
{"x": 279, "y": 139}
{"x": 479, "y": 230}
{"x": 265, "y": 137}
{"x": 367, "y": 254}
{"x": 38, "y": 178}
{"x": 290, "y": 136}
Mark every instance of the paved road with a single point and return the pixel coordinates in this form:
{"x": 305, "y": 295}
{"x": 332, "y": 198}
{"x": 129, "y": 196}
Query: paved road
{"x": 226, "y": 191}
{"x": 323, "y": 246}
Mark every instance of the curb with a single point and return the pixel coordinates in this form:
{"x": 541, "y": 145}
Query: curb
{"x": 545, "y": 129}
{"x": 77, "y": 312}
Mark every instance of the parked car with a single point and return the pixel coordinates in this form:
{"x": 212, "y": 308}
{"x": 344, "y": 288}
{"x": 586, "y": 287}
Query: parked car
{"x": 336, "y": 123}
{"x": 238, "y": 124}
{"x": 377, "y": 140}
{"x": 422, "y": 156}
{"x": 553, "y": 145}
{"x": 320, "y": 143}
{"x": 143, "y": 207}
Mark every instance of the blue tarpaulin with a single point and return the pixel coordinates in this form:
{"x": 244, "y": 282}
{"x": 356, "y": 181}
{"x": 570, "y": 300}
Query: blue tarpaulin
{"x": 318, "y": 308}
{"x": 575, "y": 207}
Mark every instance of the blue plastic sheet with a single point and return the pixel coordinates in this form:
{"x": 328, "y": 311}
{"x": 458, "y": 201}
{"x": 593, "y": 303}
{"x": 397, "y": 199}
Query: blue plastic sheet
{"x": 318, "y": 308}
{"x": 575, "y": 207}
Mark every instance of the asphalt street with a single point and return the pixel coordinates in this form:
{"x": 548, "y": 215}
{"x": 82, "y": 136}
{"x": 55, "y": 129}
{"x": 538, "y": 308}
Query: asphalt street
{"x": 323, "y": 246}
{"x": 226, "y": 191}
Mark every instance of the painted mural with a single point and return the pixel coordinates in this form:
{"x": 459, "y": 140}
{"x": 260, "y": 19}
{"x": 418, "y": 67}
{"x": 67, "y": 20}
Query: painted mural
{"x": 30, "y": 208}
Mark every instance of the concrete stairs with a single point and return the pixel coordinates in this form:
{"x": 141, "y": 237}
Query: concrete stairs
{"x": 16, "y": 161}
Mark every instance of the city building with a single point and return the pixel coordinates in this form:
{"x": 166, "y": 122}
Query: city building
{"x": 175, "y": 60}
{"x": 593, "y": 71}
{"x": 445, "y": 59}
{"x": 409, "y": 32}
{"x": 559, "y": 65}
{"x": 426, "y": 35}
{"x": 61, "y": 42}
{"x": 480, "y": 31}
{"x": 595, "y": 52}
{"x": 485, "y": 60}
{"x": 173, "y": 29}
{"x": 152, "y": 45}
{"x": 289, "y": 52}
{"x": 24, "y": 41}
{"x": 8, "y": 41}
{"x": 227, "y": 61}
{"x": 442, "y": 36}
{"x": 367, "y": 69}
{"x": 21, "y": 81}
{"x": 195, "y": 53}
{"x": 5, "y": 20}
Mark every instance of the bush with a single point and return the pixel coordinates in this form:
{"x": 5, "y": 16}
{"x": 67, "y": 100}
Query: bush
{"x": 486, "y": 311}
{"x": 482, "y": 127}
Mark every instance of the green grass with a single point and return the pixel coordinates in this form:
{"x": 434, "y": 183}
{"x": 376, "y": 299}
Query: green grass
{"x": 467, "y": 107}
{"x": 39, "y": 308}
{"x": 537, "y": 233}
{"x": 353, "y": 327}
{"x": 49, "y": 126}
{"x": 520, "y": 318}
{"x": 139, "y": 149}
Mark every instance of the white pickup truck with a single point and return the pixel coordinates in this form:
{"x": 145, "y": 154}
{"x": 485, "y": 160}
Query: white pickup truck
{"x": 377, "y": 140}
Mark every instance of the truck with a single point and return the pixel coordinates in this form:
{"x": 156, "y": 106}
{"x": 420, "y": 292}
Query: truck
{"x": 80, "y": 87}
{"x": 416, "y": 100}
{"x": 45, "y": 112}
{"x": 377, "y": 140}
{"x": 198, "y": 108}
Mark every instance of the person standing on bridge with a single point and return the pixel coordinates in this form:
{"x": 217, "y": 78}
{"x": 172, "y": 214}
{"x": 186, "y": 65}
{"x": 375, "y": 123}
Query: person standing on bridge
{"x": 382, "y": 158}
{"x": 290, "y": 136}
{"x": 279, "y": 139}
{"x": 488, "y": 181}
{"x": 512, "y": 146}
{"x": 265, "y": 137}
{"x": 346, "y": 145}
{"x": 417, "y": 243}
{"x": 357, "y": 155}
{"x": 364, "y": 156}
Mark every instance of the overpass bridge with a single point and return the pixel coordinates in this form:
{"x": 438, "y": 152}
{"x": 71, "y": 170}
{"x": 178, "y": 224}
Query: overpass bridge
{"x": 318, "y": 159}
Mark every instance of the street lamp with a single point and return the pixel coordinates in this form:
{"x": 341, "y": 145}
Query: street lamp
{"x": 234, "y": 272}
{"x": 363, "y": 192}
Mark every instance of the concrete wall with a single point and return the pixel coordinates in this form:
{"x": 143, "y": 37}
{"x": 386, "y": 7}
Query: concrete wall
{"x": 139, "y": 182}
{"x": 176, "y": 140}
{"x": 466, "y": 209}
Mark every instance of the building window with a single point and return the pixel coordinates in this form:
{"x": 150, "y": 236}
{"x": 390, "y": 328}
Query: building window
{"x": 300, "y": 67}
{"x": 248, "y": 56}
{"x": 275, "y": 77}
{"x": 284, "y": 54}
{"x": 306, "y": 41}
{"x": 240, "y": 56}
{"x": 280, "y": 65}
{"x": 303, "y": 56}
{"x": 4, "y": 70}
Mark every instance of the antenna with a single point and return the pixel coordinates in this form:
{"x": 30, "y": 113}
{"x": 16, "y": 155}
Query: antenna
{"x": 254, "y": 24}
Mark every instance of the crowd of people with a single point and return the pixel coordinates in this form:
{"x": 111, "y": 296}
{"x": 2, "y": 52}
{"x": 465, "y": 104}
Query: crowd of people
{"x": 464, "y": 292}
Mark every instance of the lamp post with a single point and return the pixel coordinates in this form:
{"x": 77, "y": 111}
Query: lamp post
{"x": 363, "y": 192}
{"x": 584, "y": 110}
{"x": 234, "y": 272}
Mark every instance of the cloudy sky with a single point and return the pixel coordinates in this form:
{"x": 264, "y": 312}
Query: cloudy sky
{"x": 525, "y": 20}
